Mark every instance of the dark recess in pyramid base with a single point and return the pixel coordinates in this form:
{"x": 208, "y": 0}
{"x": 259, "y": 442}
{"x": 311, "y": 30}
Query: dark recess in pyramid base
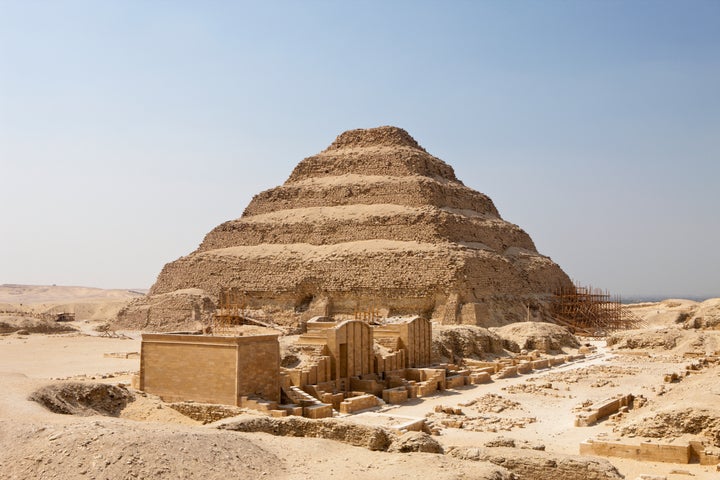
{"x": 372, "y": 223}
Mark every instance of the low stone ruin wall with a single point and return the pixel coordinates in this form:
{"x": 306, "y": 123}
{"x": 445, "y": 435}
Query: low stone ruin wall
{"x": 373, "y": 438}
{"x": 361, "y": 402}
{"x": 647, "y": 452}
{"x": 600, "y": 410}
{"x": 206, "y": 412}
{"x": 651, "y": 451}
{"x": 538, "y": 465}
{"x": 395, "y": 395}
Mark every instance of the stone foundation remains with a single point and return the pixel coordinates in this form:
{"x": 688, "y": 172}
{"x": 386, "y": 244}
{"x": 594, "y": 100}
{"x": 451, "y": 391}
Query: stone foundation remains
{"x": 649, "y": 451}
{"x": 603, "y": 409}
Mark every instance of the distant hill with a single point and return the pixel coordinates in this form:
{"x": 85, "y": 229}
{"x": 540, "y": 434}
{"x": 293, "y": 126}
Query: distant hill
{"x": 37, "y": 294}
{"x": 659, "y": 298}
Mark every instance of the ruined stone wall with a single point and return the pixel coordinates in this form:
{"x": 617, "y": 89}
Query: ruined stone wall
{"x": 394, "y": 273}
{"x": 537, "y": 465}
{"x": 413, "y": 191}
{"x": 175, "y": 310}
{"x": 316, "y": 226}
{"x": 397, "y": 162}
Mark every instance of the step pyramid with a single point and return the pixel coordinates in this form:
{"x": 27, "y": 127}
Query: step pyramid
{"x": 373, "y": 221}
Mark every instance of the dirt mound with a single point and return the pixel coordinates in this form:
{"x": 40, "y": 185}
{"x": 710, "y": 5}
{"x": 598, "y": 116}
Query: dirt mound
{"x": 189, "y": 309}
{"x": 15, "y": 323}
{"x": 452, "y": 343}
{"x": 415, "y": 442}
{"x": 373, "y": 438}
{"x": 666, "y": 338}
{"x": 546, "y": 337}
{"x": 491, "y": 402}
{"x": 539, "y": 465}
{"x": 676, "y": 422}
{"x": 476, "y": 419}
{"x": 112, "y": 450}
{"x": 37, "y": 302}
{"x": 503, "y": 441}
{"x": 707, "y": 315}
{"x": 674, "y": 339}
{"x": 664, "y": 314}
{"x": 46, "y": 294}
{"x": 76, "y": 398}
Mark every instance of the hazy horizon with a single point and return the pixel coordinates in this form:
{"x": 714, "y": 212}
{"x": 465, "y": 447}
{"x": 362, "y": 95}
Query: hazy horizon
{"x": 624, "y": 298}
{"x": 128, "y": 130}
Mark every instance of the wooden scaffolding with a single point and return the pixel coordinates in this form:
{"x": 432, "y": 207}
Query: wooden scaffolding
{"x": 592, "y": 312}
{"x": 233, "y": 310}
{"x": 371, "y": 315}
{"x": 230, "y": 311}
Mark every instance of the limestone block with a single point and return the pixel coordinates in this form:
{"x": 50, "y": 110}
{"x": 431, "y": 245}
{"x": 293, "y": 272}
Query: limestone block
{"x": 645, "y": 451}
{"x": 292, "y": 409}
{"x": 506, "y": 372}
{"x": 455, "y": 381}
{"x": 480, "y": 377}
{"x": 554, "y": 361}
{"x": 337, "y": 398}
{"x": 540, "y": 364}
{"x": 412, "y": 391}
{"x": 318, "y": 411}
{"x": 357, "y": 403}
{"x": 395, "y": 395}
{"x": 524, "y": 367}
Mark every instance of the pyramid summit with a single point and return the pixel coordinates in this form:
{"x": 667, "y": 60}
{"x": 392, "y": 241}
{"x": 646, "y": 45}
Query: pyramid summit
{"x": 387, "y": 151}
{"x": 386, "y": 136}
{"x": 373, "y": 221}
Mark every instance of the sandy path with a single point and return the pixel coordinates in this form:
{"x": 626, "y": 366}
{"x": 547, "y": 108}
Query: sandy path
{"x": 62, "y": 356}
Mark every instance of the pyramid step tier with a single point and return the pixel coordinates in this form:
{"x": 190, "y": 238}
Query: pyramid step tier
{"x": 331, "y": 225}
{"x": 379, "y": 160}
{"x": 353, "y": 189}
{"x": 392, "y": 269}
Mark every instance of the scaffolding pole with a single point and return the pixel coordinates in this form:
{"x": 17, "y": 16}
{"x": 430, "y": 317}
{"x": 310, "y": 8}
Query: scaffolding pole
{"x": 592, "y": 312}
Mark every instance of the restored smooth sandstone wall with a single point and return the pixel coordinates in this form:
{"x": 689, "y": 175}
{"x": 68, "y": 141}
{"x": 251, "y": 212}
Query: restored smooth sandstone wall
{"x": 210, "y": 369}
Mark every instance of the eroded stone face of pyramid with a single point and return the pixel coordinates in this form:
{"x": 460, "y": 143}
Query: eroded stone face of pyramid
{"x": 372, "y": 221}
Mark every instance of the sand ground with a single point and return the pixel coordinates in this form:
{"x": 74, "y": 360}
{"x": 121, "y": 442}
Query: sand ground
{"x": 39, "y": 444}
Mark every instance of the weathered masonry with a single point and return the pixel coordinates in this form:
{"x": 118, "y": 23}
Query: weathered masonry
{"x": 374, "y": 219}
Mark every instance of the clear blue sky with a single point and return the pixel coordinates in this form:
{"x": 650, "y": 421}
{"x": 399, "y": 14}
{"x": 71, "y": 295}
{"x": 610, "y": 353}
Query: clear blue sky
{"x": 129, "y": 129}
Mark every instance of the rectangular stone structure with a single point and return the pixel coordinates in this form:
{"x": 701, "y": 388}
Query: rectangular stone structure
{"x": 644, "y": 451}
{"x": 209, "y": 369}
